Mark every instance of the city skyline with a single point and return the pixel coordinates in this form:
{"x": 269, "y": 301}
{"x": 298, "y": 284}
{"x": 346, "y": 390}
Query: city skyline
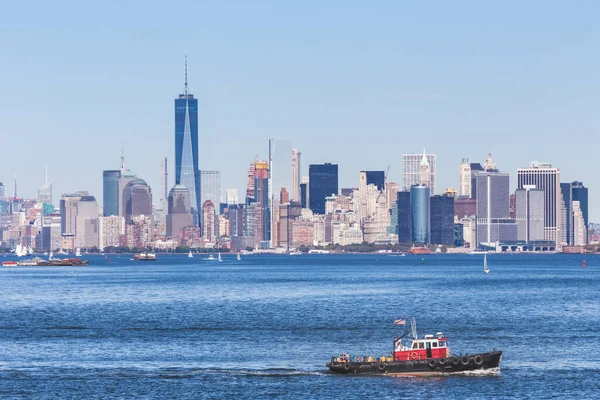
{"x": 399, "y": 102}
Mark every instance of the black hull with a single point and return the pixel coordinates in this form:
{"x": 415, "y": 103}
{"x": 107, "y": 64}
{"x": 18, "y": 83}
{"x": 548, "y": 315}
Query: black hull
{"x": 430, "y": 366}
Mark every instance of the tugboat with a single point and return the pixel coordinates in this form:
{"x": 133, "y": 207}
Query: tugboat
{"x": 429, "y": 355}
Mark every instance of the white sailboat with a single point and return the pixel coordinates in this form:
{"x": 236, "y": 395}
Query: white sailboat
{"x": 210, "y": 258}
{"x": 220, "y": 257}
{"x": 190, "y": 255}
{"x": 485, "y": 267}
{"x": 51, "y": 256}
{"x": 238, "y": 256}
{"x": 78, "y": 252}
{"x": 29, "y": 251}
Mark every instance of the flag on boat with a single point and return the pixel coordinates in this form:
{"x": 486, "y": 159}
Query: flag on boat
{"x": 400, "y": 322}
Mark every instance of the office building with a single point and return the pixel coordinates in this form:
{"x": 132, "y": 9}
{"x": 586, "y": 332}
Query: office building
{"x": 232, "y": 196}
{"x": 304, "y": 198}
{"x": 529, "y": 212}
{"x": 322, "y": 182}
{"x": 210, "y": 188}
{"x": 164, "y": 195}
{"x": 179, "y": 213}
{"x": 543, "y": 176}
{"x": 420, "y": 213}
{"x": 579, "y": 226}
{"x": 442, "y": 220}
{"x": 296, "y": 175}
{"x": 186, "y": 146}
{"x": 68, "y": 213}
{"x": 110, "y": 192}
{"x": 492, "y": 208}
{"x": 411, "y": 170}
{"x": 137, "y": 200}
{"x": 404, "y": 226}
{"x": 209, "y": 222}
{"x": 464, "y": 178}
{"x": 2, "y": 189}
{"x": 86, "y": 223}
{"x": 376, "y": 178}
{"x": 574, "y": 191}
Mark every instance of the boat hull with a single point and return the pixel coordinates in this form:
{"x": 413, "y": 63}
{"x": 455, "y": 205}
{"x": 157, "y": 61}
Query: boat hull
{"x": 430, "y": 366}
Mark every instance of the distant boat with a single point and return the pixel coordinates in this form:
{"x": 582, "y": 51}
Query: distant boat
{"x": 485, "y": 267}
{"x": 583, "y": 264}
{"x": 190, "y": 255}
{"x": 107, "y": 259}
{"x": 422, "y": 261}
{"x": 211, "y": 258}
{"x": 220, "y": 257}
{"x": 51, "y": 255}
{"x": 78, "y": 252}
{"x": 238, "y": 256}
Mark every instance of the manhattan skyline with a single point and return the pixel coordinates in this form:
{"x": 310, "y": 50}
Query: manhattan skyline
{"x": 330, "y": 80}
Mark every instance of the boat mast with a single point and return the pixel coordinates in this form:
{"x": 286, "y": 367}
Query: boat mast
{"x": 413, "y": 328}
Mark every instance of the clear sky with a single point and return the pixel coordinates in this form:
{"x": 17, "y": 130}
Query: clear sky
{"x": 350, "y": 82}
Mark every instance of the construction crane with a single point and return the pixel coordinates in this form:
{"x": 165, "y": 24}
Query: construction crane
{"x": 386, "y": 173}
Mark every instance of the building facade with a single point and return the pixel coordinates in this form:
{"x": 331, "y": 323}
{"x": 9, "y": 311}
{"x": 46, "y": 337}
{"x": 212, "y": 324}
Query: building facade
{"x": 322, "y": 182}
{"x": 420, "y": 214}
{"x": 442, "y": 220}
{"x": 529, "y": 212}
{"x": 179, "y": 211}
{"x": 543, "y": 176}
{"x": 411, "y": 171}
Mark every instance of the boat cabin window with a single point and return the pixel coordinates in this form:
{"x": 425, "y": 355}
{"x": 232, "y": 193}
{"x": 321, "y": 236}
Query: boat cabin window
{"x": 442, "y": 344}
{"x": 434, "y": 344}
{"x": 421, "y": 345}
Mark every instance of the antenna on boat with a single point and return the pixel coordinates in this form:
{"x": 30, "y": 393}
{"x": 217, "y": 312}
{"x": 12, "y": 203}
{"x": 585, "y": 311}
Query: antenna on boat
{"x": 413, "y": 327}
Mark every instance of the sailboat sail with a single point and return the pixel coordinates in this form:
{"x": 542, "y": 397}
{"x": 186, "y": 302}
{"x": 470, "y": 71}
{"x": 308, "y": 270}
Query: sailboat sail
{"x": 485, "y": 267}
{"x": 238, "y": 256}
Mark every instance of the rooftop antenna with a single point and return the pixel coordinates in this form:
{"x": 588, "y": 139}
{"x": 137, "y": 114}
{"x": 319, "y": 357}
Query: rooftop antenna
{"x": 122, "y": 160}
{"x": 186, "y": 85}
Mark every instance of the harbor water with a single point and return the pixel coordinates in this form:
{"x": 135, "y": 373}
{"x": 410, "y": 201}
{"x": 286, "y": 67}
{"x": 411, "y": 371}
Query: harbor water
{"x": 264, "y": 327}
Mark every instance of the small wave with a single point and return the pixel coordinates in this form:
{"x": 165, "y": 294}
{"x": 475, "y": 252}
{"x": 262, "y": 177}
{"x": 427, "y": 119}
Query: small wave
{"x": 478, "y": 372}
{"x": 269, "y": 372}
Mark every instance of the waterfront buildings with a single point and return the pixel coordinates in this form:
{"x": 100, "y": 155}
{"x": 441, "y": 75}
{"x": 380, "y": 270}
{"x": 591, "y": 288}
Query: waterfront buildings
{"x": 544, "y": 176}
{"x": 86, "y": 223}
{"x": 322, "y": 182}
{"x": 404, "y": 228}
{"x": 411, "y": 170}
{"x": 572, "y": 192}
{"x": 186, "y": 146}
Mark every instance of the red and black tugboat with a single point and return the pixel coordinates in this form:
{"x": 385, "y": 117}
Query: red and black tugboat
{"x": 420, "y": 356}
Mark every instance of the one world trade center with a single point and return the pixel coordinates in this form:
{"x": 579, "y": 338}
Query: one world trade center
{"x": 186, "y": 147}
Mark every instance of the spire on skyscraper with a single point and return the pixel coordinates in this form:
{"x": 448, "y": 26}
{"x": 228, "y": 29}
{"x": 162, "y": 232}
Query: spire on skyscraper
{"x": 186, "y": 85}
{"x": 122, "y": 161}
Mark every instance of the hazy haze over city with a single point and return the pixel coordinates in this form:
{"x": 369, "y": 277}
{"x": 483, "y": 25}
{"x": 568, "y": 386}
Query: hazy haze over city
{"x": 351, "y": 83}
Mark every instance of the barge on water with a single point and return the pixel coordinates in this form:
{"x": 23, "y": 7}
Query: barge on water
{"x": 429, "y": 355}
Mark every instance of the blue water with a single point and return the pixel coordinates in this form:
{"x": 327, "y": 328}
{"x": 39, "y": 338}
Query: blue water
{"x": 265, "y": 326}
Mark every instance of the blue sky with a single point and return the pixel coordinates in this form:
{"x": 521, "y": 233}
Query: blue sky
{"x": 354, "y": 83}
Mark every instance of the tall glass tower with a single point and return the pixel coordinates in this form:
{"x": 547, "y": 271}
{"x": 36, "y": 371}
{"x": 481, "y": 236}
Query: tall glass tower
{"x": 186, "y": 147}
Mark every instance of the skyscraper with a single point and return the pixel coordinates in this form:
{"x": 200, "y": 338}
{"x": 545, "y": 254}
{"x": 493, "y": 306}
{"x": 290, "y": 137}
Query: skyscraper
{"x": 420, "y": 213}
{"x": 179, "y": 211}
{"x": 571, "y": 192}
{"x": 464, "y": 178}
{"x": 2, "y": 189}
{"x": 492, "y": 208}
{"x": 529, "y": 210}
{"x": 86, "y": 223}
{"x": 304, "y": 198}
{"x": 322, "y": 182}
{"x": 295, "y": 175}
{"x": 376, "y": 178}
{"x": 411, "y": 170}
{"x": 110, "y": 192}
{"x": 45, "y": 192}
{"x": 186, "y": 146}
{"x": 442, "y": 220}
{"x": 543, "y": 176}
{"x": 404, "y": 217}
{"x": 209, "y": 225}
{"x": 137, "y": 200}
{"x": 210, "y": 188}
